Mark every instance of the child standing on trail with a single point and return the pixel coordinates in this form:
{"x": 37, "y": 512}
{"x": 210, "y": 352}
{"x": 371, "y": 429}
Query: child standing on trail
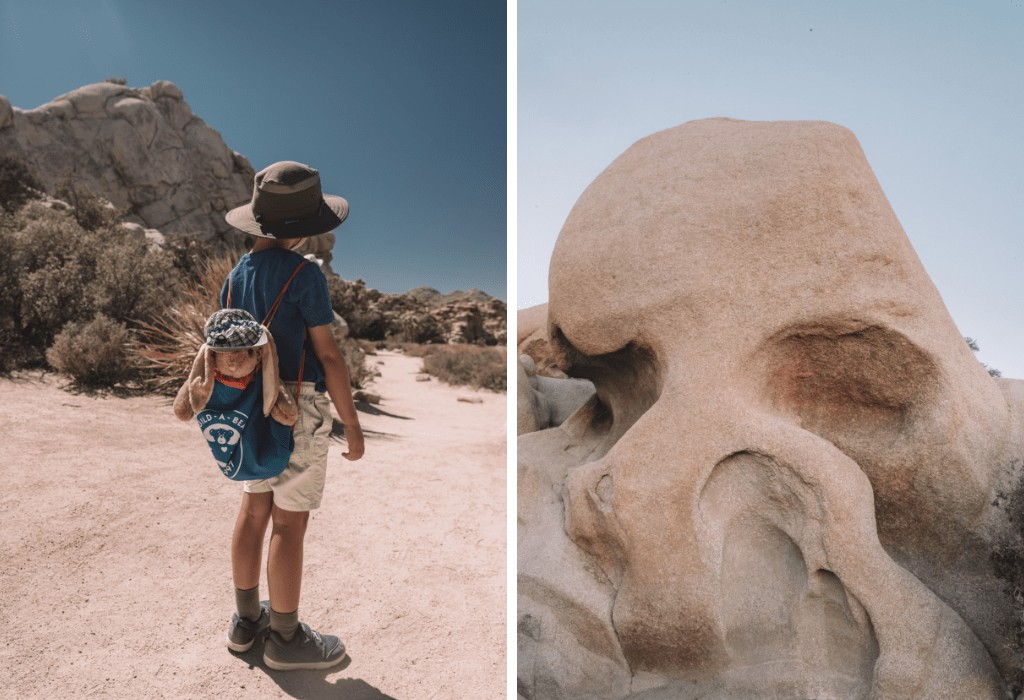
{"x": 287, "y": 206}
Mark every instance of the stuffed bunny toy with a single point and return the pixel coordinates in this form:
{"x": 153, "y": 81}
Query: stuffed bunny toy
{"x": 234, "y": 364}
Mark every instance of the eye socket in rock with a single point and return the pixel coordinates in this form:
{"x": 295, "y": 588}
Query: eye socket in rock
{"x": 628, "y": 383}
{"x": 851, "y": 383}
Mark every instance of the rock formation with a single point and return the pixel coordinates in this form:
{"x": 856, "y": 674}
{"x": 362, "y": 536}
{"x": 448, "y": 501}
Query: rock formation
{"x": 532, "y": 340}
{"x": 146, "y": 152}
{"x": 544, "y": 402}
{"x": 141, "y": 148}
{"x": 422, "y": 315}
{"x": 787, "y": 484}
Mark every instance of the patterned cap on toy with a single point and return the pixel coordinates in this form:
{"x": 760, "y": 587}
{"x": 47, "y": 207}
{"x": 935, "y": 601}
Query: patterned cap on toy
{"x": 233, "y": 329}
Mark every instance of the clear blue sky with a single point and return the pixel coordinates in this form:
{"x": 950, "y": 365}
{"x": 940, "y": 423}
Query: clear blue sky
{"x": 933, "y": 90}
{"x": 401, "y": 104}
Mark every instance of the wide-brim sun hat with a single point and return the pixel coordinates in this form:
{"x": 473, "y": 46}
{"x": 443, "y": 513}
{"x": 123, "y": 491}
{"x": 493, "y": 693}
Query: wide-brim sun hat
{"x": 287, "y": 202}
{"x": 228, "y": 330}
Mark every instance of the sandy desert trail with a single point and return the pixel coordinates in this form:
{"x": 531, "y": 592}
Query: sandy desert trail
{"x": 114, "y": 566}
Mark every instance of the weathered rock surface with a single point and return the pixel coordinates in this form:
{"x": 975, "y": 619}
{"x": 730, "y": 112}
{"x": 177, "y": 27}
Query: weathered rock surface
{"x": 141, "y": 148}
{"x": 545, "y": 402}
{"x": 532, "y": 340}
{"x": 787, "y": 483}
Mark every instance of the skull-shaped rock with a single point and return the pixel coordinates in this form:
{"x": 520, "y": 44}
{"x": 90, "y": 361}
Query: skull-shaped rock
{"x": 781, "y": 486}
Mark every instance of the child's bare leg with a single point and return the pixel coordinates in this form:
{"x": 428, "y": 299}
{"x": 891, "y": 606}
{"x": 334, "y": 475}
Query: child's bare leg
{"x": 247, "y": 540}
{"x": 284, "y": 566}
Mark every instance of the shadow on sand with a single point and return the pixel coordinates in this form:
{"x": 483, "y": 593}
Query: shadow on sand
{"x": 338, "y": 432}
{"x": 314, "y": 685}
{"x": 371, "y": 409}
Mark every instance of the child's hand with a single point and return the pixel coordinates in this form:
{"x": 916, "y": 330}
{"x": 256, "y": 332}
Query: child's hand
{"x": 354, "y": 438}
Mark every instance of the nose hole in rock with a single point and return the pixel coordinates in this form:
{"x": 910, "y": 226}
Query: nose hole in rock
{"x": 605, "y": 490}
{"x": 628, "y": 382}
{"x": 779, "y": 608}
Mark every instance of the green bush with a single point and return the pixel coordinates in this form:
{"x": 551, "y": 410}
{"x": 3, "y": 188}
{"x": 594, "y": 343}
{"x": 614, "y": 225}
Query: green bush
{"x": 94, "y": 354}
{"x": 471, "y": 365}
{"x": 92, "y": 212}
{"x": 132, "y": 283}
{"x": 54, "y": 272}
{"x": 17, "y": 183}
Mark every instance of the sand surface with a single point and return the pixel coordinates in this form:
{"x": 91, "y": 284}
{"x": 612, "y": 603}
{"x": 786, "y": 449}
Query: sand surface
{"x": 115, "y": 576}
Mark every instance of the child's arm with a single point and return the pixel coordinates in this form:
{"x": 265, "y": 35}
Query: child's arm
{"x": 336, "y": 379}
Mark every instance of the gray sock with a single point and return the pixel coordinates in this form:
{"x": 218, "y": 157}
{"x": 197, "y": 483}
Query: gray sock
{"x": 284, "y": 624}
{"x": 248, "y": 603}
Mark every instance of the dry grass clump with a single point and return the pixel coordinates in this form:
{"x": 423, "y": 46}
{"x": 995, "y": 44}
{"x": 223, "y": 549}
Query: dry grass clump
{"x": 169, "y": 344}
{"x": 466, "y": 365}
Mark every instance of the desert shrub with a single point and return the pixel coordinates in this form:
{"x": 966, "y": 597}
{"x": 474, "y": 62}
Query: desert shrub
{"x": 421, "y": 328}
{"x": 973, "y": 345}
{"x": 1007, "y": 559}
{"x": 359, "y": 373}
{"x": 189, "y": 254}
{"x": 370, "y": 324}
{"x": 168, "y": 344}
{"x": 132, "y": 282}
{"x": 54, "y": 272}
{"x": 92, "y": 212}
{"x": 17, "y": 183}
{"x": 94, "y": 354}
{"x": 472, "y": 365}
{"x": 415, "y": 349}
{"x": 356, "y": 303}
{"x": 50, "y": 263}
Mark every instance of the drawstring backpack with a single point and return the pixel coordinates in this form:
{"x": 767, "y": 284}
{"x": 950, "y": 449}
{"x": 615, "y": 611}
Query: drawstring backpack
{"x": 247, "y": 441}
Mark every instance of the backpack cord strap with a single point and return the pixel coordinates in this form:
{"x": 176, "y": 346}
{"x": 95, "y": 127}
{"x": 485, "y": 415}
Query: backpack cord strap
{"x": 270, "y": 317}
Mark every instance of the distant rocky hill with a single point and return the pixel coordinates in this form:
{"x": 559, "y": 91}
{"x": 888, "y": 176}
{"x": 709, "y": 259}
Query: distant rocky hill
{"x": 433, "y": 298}
{"x": 146, "y": 152}
{"x": 422, "y": 315}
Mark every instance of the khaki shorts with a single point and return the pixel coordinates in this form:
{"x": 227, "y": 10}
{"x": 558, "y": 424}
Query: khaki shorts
{"x": 300, "y": 486}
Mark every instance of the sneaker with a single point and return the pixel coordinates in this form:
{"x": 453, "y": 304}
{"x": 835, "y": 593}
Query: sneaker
{"x": 307, "y": 649}
{"x": 243, "y": 631}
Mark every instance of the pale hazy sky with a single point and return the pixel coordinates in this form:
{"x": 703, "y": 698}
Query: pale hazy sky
{"x": 934, "y": 91}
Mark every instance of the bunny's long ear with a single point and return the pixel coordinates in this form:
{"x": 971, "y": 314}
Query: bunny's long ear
{"x": 271, "y": 378}
{"x": 195, "y": 392}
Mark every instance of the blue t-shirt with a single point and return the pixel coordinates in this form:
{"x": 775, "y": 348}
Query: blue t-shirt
{"x": 255, "y": 283}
